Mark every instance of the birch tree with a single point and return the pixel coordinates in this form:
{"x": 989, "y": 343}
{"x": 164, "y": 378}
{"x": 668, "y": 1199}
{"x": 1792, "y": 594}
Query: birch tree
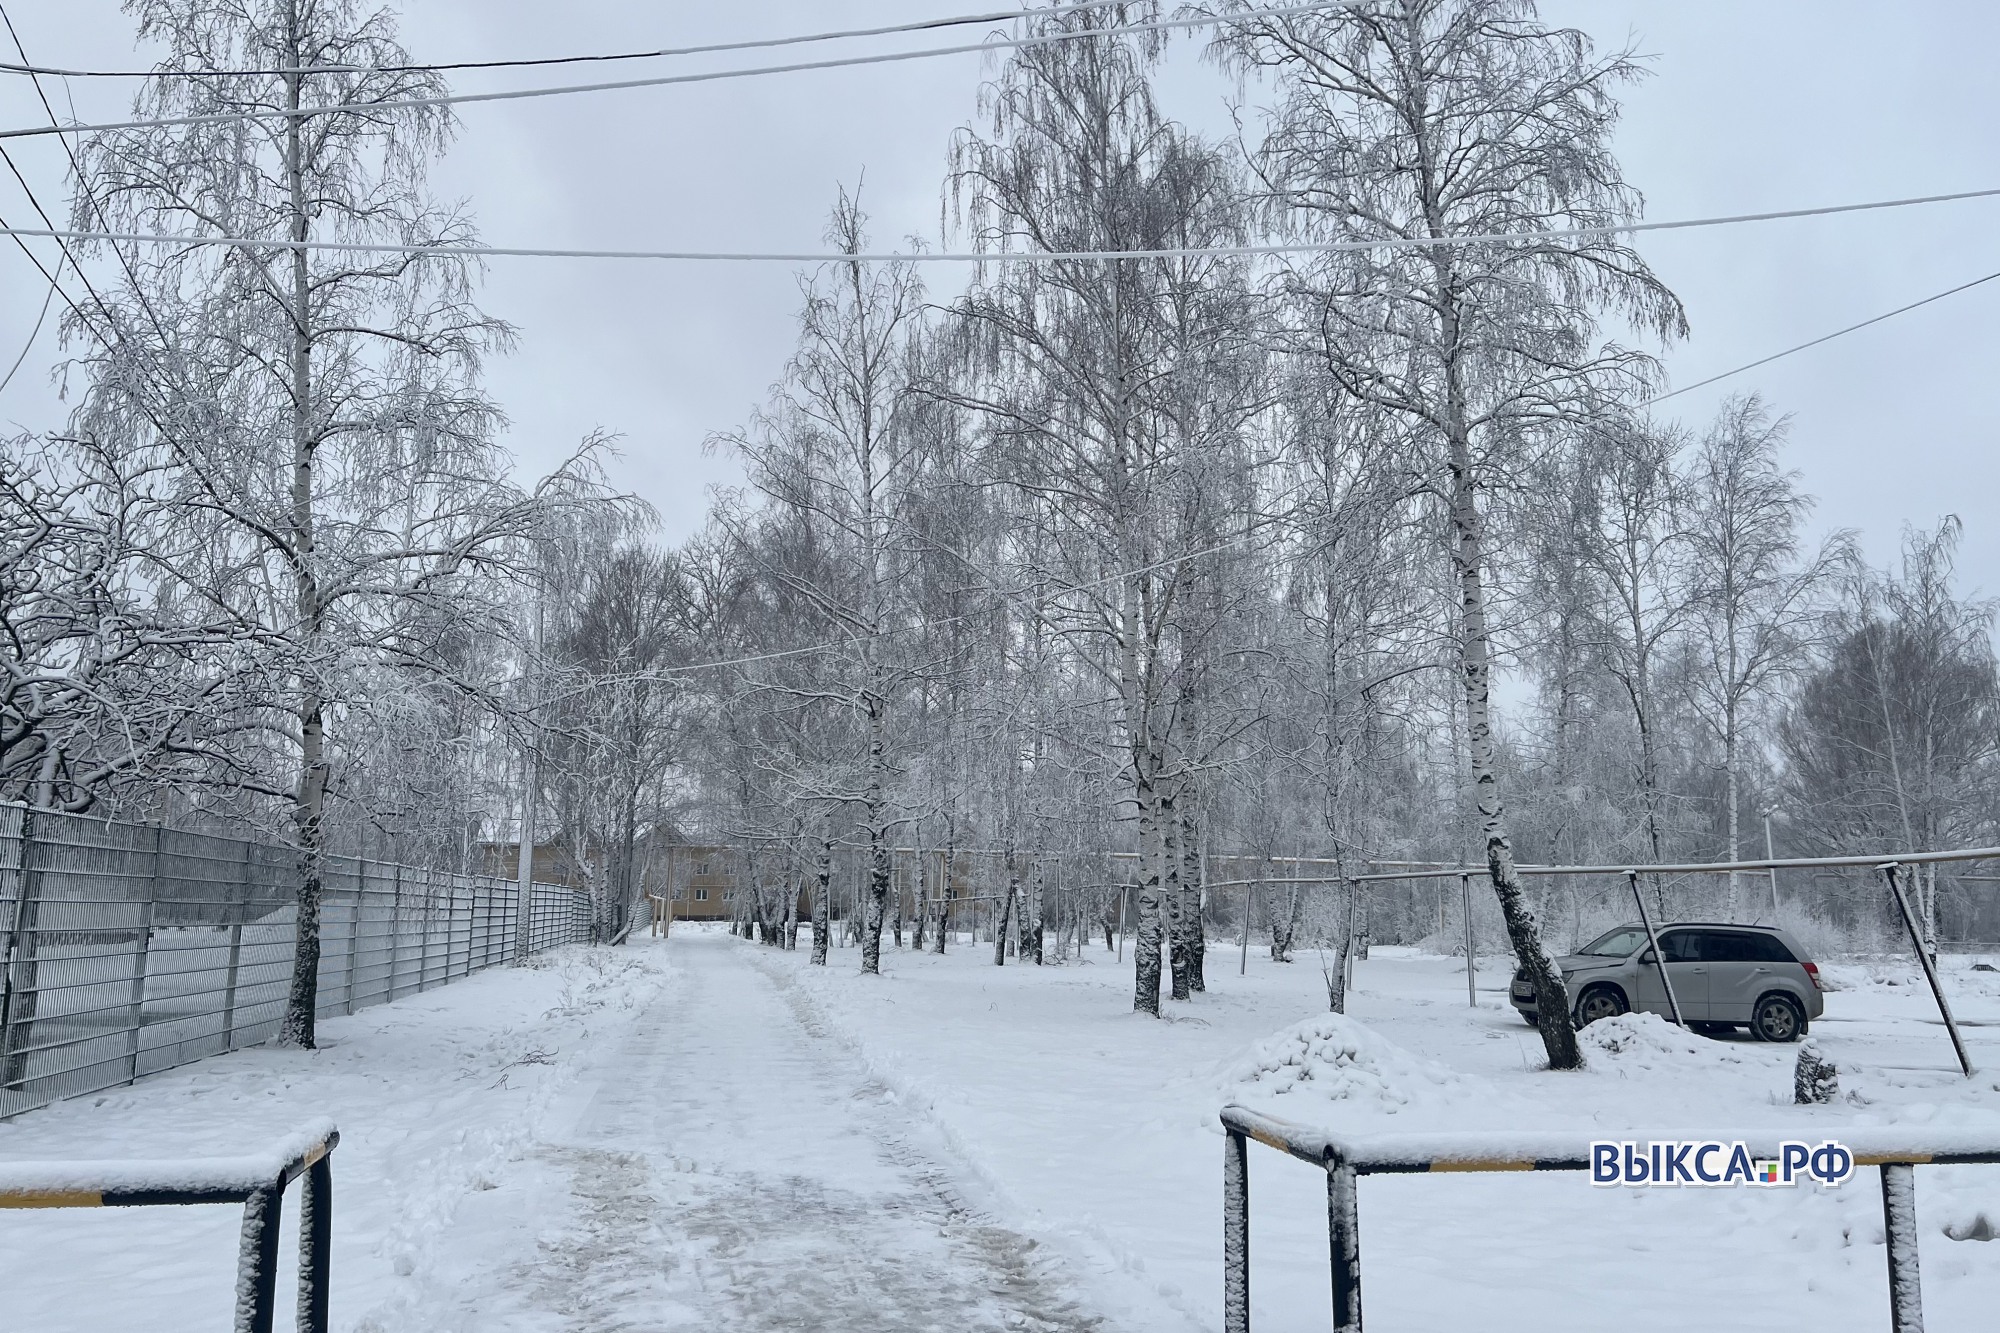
{"x": 1639, "y": 553}
{"x": 1759, "y": 594}
{"x": 836, "y": 452}
{"x": 1417, "y": 123}
{"x": 320, "y": 413}
{"x": 1078, "y": 367}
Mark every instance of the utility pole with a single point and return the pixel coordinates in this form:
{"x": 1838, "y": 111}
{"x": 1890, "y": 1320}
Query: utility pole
{"x": 524, "y": 859}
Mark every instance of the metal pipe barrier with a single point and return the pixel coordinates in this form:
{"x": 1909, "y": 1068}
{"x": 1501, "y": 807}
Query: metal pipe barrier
{"x": 1892, "y": 869}
{"x": 257, "y": 1182}
{"x": 1895, "y": 1151}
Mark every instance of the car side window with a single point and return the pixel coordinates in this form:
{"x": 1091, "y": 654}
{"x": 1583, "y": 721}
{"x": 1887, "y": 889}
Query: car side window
{"x": 1733, "y": 947}
{"x": 1725, "y": 946}
{"x": 1768, "y": 949}
{"x": 1681, "y": 946}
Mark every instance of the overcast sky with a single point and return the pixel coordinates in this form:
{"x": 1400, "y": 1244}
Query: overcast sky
{"x": 1750, "y": 107}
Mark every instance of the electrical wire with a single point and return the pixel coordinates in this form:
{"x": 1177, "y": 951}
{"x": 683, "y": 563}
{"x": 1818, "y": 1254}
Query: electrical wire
{"x": 48, "y": 299}
{"x": 997, "y": 594}
{"x": 667, "y": 80}
{"x": 61, "y": 242}
{"x": 714, "y": 48}
{"x": 1823, "y": 338}
{"x": 997, "y": 256}
{"x": 835, "y": 644}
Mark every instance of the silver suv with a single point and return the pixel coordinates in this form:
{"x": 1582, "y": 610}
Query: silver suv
{"x": 1724, "y": 977}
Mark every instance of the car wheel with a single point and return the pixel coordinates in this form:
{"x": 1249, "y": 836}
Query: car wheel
{"x": 1531, "y": 1020}
{"x": 1777, "y": 1018}
{"x": 1600, "y": 1002}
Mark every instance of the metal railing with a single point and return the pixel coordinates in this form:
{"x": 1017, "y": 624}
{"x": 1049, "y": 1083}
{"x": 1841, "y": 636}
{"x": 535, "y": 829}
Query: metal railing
{"x": 256, "y": 1182}
{"x": 1895, "y": 1150}
{"x": 1891, "y": 868}
{"x": 129, "y": 949}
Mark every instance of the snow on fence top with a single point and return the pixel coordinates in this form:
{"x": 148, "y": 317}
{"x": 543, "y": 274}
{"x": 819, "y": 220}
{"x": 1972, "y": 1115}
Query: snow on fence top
{"x": 149, "y": 1181}
{"x": 1570, "y": 1151}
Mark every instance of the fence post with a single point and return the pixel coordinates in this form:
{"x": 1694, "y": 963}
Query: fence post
{"x": 429, "y": 892}
{"x": 236, "y": 952}
{"x": 485, "y": 916}
{"x": 17, "y": 991}
{"x": 135, "y": 1013}
{"x": 354, "y": 928}
{"x": 1344, "y": 1242}
{"x": 1235, "y": 1232}
{"x": 315, "y": 1245}
{"x": 395, "y": 925}
{"x": 458, "y": 883}
{"x": 1899, "y": 1224}
{"x": 1929, "y": 967}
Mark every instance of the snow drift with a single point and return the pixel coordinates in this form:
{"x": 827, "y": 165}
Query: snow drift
{"x": 1635, "y": 1042}
{"x": 1332, "y": 1059}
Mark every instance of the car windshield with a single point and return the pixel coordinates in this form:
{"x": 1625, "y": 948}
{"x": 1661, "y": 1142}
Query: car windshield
{"x": 1616, "y": 943}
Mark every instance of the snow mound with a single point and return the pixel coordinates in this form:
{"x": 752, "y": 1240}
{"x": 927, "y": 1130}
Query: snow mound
{"x": 1332, "y": 1058}
{"x": 1647, "y": 1041}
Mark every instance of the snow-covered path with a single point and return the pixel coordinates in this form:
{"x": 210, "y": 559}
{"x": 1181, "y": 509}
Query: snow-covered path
{"x": 724, "y": 1166}
{"x": 708, "y": 1133}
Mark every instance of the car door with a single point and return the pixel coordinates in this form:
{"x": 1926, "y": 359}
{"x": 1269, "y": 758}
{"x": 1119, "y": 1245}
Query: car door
{"x": 1742, "y": 965}
{"x": 1685, "y": 969}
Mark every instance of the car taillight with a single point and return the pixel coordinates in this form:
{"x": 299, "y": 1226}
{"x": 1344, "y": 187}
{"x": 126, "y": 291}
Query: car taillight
{"x": 1812, "y": 973}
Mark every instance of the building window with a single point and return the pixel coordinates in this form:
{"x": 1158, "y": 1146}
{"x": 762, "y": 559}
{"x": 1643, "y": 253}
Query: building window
{"x": 701, "y": 895}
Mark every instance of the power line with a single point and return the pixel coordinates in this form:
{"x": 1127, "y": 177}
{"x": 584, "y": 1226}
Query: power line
{"x": 55, "y": 277}
{"x": 48, "y": 299}
{"x": 996, "y": 594}
{"x": 1003, "y": 595}
{"x": 666, "y": 80}
{"x": 1823, "y": 338}
{"x": 996, "y": 256}
{"x": 714, "y": 48}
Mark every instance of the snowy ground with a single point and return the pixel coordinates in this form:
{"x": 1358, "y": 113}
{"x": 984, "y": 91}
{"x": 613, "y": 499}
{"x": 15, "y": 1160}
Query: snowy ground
{"x": 706, "y": 1133}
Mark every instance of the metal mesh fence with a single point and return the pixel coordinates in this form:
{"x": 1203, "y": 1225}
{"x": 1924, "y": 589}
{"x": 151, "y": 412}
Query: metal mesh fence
{"x": 131, "y": 949}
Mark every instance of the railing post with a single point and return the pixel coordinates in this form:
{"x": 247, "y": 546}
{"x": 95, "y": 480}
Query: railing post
{"x": 1899, "y": 1225}
{"x": 315, "y": 1245}
{"x": 1235, "y": 1232}
{"x": 1344, "y": 1245}
{"x": 257, "y": 1261}
{"x": 1929, "y": 967}
{"x": 1243, "y": 953}
{"x": 1465, "y": 915}
{"x": 1659, "y": 956}
{"x": 135, "y": 1010}
{"x": 235, "y": 952}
